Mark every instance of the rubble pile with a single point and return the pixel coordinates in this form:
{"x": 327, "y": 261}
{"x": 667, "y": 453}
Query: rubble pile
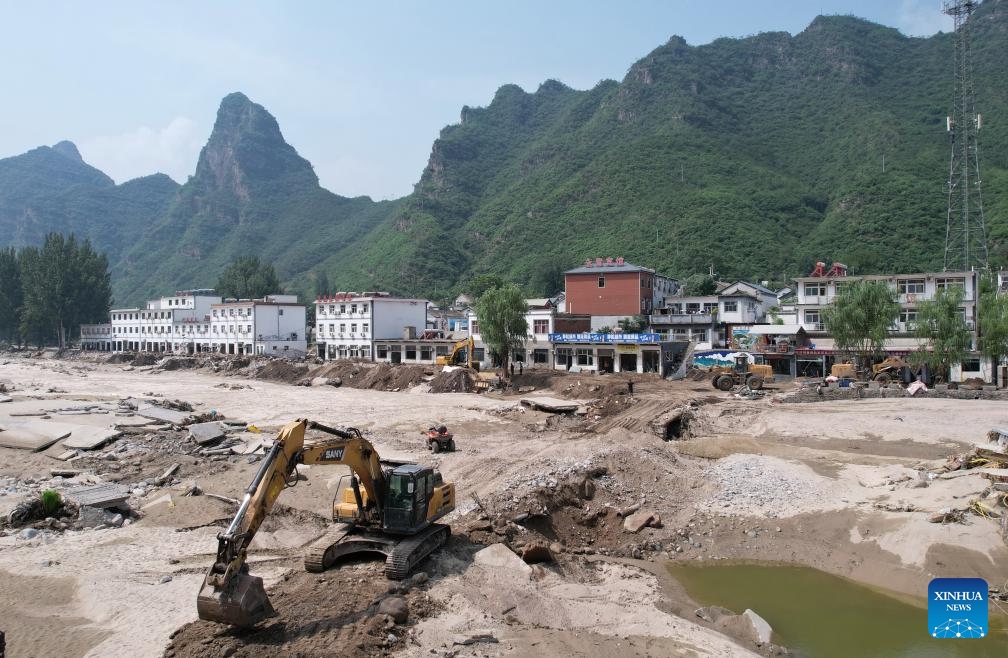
{"x": 108, "y": 476}
{"x": 990, "y": 462}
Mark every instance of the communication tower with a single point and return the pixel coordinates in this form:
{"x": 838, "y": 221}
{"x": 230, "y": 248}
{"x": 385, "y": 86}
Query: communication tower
{"x": 965, "y": 232}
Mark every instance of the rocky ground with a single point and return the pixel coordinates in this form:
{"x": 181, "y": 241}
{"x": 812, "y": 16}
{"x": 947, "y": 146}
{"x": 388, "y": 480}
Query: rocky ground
{"x": 587, "y": 507}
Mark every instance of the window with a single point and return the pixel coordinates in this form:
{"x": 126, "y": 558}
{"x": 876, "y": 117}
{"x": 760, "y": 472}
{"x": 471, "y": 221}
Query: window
{"x": 353, "y": 328}
{"x": 540, "y": 326}
{"x": 540, "y": 356}
{"x": 342, "y": 308}
{"x": 342, "y": 328}
{"x": 583, "y": 356}
{"x": 425, "y": 352}
{"x": 364, "y": 328}
{"x": 815, "y": 289}
{"x": 908, "y": 316}
{"x": 709, "y": 307}
{"x": 474, "y": 328}
{"x": 215, "y": 312}
{"x": 813, "y": 319}
{"x": 353, "y": 308}
{"x": 332, "y": 309}
{"x": 944, "y": 284}
{"x": 280, "y": 311}
{"x": 698, "y": 335}
{"x": 601, "y": 281}
{"x": 971, "y": 365}
{"x": 381, "y": 351}
{"x": 731, "y": 307}
{"x": 910, "y": 286}
{"x": 363, "y": 308}
{"x": 479, "y": 353}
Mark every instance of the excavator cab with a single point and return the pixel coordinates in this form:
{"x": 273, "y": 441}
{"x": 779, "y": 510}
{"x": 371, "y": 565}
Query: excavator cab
{"x": 417, "y": 497}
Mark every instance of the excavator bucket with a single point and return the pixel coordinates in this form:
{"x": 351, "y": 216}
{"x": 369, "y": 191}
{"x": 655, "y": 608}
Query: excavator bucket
{"x": 244, "y": 604}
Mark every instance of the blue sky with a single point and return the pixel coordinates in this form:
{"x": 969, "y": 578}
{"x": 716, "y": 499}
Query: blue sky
{"x": 360, "y": 89}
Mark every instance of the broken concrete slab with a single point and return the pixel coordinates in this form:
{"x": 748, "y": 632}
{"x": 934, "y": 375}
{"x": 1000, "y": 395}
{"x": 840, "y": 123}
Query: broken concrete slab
{"x": 84, "y": 437}
{"x": 166, "y": 415}
{"x": 206, "y": 433}
{"x": 640, "y": 520}
{"x": 66, "y": 455}
{"x": 551, "y": 405}
{"x": 33, "y": 435}
{"x": 6, "y": 398}
{"x": 499, "y": 557}
{"x": 100, "y": 495}
{"x": 760, "y": 626}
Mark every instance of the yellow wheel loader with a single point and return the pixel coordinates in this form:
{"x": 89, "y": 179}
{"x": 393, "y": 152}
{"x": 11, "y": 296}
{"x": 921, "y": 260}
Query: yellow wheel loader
{"x": 388, "y": 509}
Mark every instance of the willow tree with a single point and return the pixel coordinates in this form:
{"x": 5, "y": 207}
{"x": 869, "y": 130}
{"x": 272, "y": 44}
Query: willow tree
{"x": 942, "y": 330}
{"x": 500, "y": 312}
{"x": 859, "y": 320}
{"x": 993, "y": 317}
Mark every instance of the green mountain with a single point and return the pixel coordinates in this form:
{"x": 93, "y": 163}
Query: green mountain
{"x": 758, "y": 156}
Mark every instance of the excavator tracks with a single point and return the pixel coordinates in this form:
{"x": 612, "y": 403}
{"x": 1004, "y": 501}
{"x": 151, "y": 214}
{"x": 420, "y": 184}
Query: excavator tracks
{"x": 412, "y": 550}
{"x": 315, "y": 559}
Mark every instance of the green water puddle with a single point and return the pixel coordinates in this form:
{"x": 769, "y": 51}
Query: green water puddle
{"x": 818, "y": 615}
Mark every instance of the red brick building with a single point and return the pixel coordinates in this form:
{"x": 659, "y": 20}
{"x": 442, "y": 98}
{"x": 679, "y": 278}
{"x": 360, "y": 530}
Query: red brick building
{"x": 609, "y": 287}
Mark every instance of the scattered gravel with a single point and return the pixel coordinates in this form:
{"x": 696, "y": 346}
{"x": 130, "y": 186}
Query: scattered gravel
{"x": 767, "y": 486}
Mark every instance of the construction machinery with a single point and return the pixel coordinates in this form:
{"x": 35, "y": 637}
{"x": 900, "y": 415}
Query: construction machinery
{"x": 439, "y": 439}
{"x": 463, "y": 354}
{"x": 751, "y": 375}
{"x": 389, "y": 509}
{"x": 883, "y": 372}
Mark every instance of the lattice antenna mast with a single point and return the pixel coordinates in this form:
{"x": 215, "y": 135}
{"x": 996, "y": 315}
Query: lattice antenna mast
{"x": 965, "y": 232}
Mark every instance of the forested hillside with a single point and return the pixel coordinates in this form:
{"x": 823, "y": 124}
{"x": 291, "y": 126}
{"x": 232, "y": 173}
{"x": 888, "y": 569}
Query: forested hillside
{"x": 758, "y": 156}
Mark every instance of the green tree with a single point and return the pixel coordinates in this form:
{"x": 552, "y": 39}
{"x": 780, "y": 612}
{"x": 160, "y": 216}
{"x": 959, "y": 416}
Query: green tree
{"x": 322, "y": 286}
{"x": 700, "y": 284}
{"x": 481, "y": 283}
{"x": 993, "y": 317}
{"x": 859, "y": 319}
{"x": 501, "y": 313}
{"x": 11, "y": 295}
{"x": 64, "y": 284}
{"x": 942, "y": 330}
{"x": 247, "y": 278}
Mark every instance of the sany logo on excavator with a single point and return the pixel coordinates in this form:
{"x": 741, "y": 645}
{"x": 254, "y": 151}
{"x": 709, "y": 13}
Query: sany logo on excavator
{"x": 333, "y": 454}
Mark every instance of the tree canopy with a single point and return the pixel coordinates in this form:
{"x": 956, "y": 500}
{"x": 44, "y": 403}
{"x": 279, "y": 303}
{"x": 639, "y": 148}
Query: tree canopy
{"x": 501, "y": 314}
{"x": 993, "y": 317}
{"x": 63, "y": 284}
{"x": 941, "y": 327}
{"x": 11, "y": 295}
{"x": 860, "y": 317}
{"x": 247, "y": 278}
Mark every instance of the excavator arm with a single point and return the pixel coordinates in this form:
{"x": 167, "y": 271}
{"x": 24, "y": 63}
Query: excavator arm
{"x": 229, "y": 594}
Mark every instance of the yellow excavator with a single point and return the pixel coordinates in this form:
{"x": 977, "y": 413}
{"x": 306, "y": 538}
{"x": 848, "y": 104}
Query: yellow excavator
{"x": 389, "y": 508}
{"x": 463, "y": 354}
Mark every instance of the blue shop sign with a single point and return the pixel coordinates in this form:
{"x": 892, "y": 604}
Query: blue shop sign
{"x": 606, "y": 339}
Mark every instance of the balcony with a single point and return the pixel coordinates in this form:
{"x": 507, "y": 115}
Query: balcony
{"x": 683, "y": 319}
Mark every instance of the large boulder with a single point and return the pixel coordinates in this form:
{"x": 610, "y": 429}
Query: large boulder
{"x": 642, "y": 519}
{"x": 759, "y": 625}
{"x": 396, "y": 608}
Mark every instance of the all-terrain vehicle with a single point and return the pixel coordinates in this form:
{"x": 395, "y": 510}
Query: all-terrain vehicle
{"x": 439, "y": 439}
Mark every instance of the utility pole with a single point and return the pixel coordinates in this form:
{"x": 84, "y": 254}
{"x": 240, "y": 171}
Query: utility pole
{"x": 965, "y": 231}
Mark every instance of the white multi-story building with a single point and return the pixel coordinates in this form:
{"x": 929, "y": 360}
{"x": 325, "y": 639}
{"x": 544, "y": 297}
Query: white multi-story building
{"x": 348, "y": 323}
{"x": 817, "y": 292}
{"x": 273, "y": 325}
{"x": 199, "y": 321}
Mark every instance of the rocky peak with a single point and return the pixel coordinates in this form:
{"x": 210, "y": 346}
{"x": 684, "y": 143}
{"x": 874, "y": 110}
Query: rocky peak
{"x": 246, "y": 147}
{"x": 68, "y": 149}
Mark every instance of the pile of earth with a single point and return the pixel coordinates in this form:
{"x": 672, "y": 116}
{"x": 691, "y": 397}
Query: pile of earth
{"x": 458, "y": 380}
{"x": 335, "y": 613}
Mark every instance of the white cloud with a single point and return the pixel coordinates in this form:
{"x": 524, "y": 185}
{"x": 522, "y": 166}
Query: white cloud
{"x": 172, "y": 149}
{"x": 922, "y": 18}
